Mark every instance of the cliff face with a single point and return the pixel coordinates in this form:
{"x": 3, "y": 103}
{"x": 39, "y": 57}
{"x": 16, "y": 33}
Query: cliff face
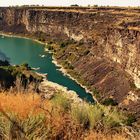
{"x": 123, "y": 47}
{"x": 76, "y": 24}
{"x": 111, "y": 37}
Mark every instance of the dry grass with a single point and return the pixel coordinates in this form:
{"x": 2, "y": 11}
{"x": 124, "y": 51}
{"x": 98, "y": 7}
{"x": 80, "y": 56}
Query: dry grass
{"x": 33, "y": 118}
{"x": 101, "y": 136}
{"x": 29, "y": 110}
{"x": 21, "y": 104}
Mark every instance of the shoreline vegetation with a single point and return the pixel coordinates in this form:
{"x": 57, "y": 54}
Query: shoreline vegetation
{"x": 61, "y": 68}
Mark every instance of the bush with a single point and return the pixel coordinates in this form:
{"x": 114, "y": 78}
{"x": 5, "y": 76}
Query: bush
{"x": 80, "y": 115}
{"x": 90, "y": 116}
{"x": 74, "y": 5}
{"x": 95, "y": 114}
{"x": 42, "y": 39}
{"x": 33, "y": 127}
{"x": 80, "y": 43}
{"x": 71, "y": 67}
{"x": 109, "y": 101}
{"x": 50, "y": 47}
{"x": 132, "y": 85}
{"x": 62, "y": 102}
{"x": 130, "y": 119}
{"x": 96, "y": 93}
{"x": 96, "y": 6}
{"x": 26, "y": 66}
{"x": 4, "y": 63}
{"x": 62, "y": 45}
{"x": 113, "y": 118}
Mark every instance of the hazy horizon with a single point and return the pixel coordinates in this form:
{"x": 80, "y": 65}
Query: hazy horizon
{"x": 70, "y": 2}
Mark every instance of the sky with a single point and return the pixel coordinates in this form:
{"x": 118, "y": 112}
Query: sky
{"x": 70, "y": 2}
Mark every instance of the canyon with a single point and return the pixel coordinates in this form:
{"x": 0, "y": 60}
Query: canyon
{"x": 102, "y": 45}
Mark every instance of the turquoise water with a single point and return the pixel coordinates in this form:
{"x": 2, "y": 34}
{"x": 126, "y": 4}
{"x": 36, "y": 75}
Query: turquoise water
{"x": 19, "y": 51}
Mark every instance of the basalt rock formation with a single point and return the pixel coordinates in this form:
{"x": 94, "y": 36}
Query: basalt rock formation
{"x": 106, "y": 54}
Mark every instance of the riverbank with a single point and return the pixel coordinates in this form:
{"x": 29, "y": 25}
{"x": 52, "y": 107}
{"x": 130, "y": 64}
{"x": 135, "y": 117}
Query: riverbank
{"x": 50, "y": 88}
{"x": 22, "y": 36}
{"x": 64, "y": 71}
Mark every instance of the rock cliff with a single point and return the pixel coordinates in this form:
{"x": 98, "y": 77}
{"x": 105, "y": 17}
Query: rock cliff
{"x": 107, "y": 49}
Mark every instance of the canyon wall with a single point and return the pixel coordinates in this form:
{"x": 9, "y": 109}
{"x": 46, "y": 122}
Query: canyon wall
{"x": 111, "y": 36}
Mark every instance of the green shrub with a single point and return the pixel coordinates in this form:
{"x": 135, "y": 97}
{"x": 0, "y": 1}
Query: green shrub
{"x": 50, "y": 47}
{"x": 62, "y": 102}
{"x": 74, "y": 5}
{"x": 24, "y": 65}
{"x": 96, "y": 93}
{"x": 50, "y": 42}
{"x": 4, "y": 63}
{"x": 62, "y": 45}
{"x": 95, "y": 114}
{"x": 80, "y": 115}
{"x": 90, "y": 116}
{"x": 80, "y": 43}
{"x": 33, "y": 127}
{"x": 113, "y": 118}
{"x": 87, "y": 115}
{"x": 130, "y": 119}
{"x": 132, "y": 85}
{"x": 42, "y": 39}
{"x": 96, "y": 6}
{"x": 71, "y": 67}
{"x": 109, "y": 101}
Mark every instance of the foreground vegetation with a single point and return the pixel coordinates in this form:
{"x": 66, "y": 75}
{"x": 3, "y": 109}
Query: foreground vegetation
{"x": 28, "y": 116}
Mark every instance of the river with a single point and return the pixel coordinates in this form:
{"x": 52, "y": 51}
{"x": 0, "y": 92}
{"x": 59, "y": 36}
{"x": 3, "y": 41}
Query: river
{"x": 20, "y": 50}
